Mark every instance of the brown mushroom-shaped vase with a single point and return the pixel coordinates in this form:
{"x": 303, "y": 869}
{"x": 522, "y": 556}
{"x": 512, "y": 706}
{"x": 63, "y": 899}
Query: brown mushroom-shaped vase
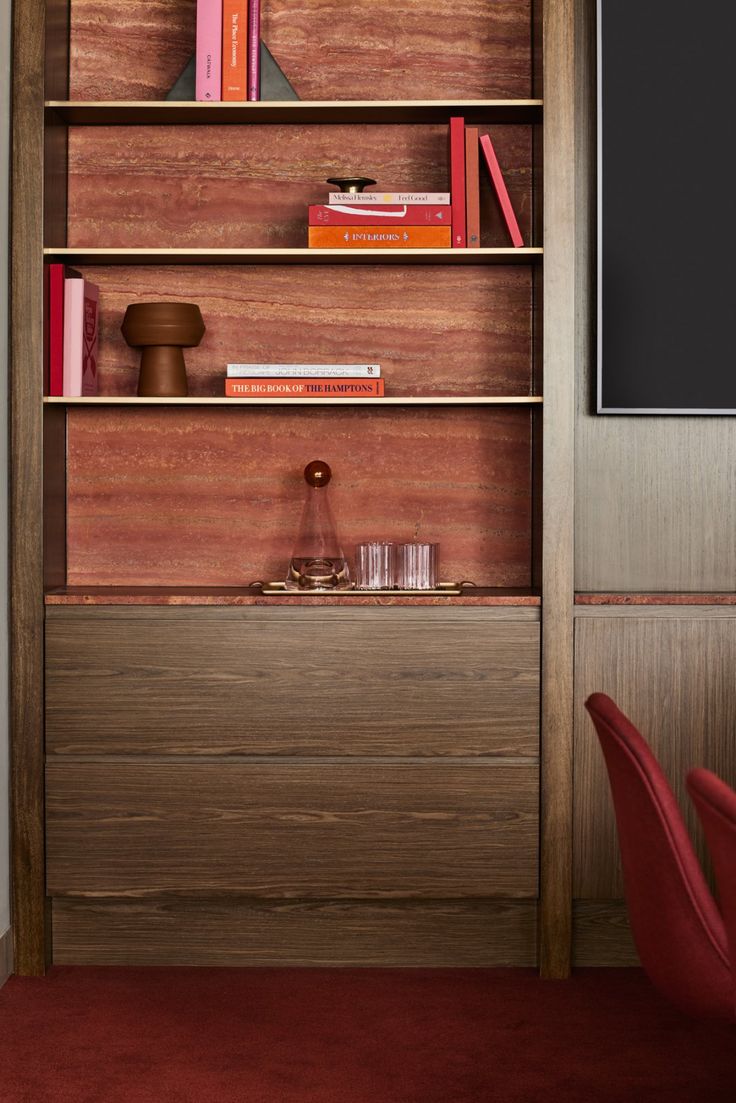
{"x": 162, "y": 330}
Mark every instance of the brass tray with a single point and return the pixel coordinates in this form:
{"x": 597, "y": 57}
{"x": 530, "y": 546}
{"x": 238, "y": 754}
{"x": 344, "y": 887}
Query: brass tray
{"x": 443, "y": 589}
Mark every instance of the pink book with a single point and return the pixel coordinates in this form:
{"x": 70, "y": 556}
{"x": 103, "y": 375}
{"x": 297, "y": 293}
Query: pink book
{"x": 73, "y": 328}
{"x": 457, "y": 182}
{"x": 501, "y": 193}
{"x": 90, "y": 328}
{"x": 209, "y": 50}
{"x": 254, "y": 49}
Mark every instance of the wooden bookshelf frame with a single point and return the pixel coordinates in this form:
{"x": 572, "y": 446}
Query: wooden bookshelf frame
{"x": 37, "y": 430}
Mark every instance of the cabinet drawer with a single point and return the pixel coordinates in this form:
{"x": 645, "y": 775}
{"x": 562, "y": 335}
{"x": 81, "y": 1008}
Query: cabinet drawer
{"x": 386, "y": 681}
{"x": 303, "y": 829}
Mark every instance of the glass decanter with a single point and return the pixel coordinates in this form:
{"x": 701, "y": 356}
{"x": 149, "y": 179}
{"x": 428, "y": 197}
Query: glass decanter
{"x": 317, "y": 562}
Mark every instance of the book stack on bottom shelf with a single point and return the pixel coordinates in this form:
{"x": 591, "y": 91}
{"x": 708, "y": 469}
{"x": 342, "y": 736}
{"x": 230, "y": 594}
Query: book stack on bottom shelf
{"x": 304, "y": 381}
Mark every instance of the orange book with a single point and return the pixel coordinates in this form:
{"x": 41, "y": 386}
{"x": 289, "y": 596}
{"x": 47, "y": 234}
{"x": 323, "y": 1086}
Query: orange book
{"x": 379, "y": 237}
{"x": 472, "y": 187}
{"x": 319, "y": 387}
{"x": 234, "y": 49}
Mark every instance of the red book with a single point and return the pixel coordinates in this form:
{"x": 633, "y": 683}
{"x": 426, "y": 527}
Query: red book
{"x": 254, "y": 49}
{"x": 501, "y": 193}
{"x": 386, "y": 214}
{"x": 54, "y": 327}
{"x": 457, "y": 182}
{"x": 472, "y": 187}
{"x": 234, "y": 50}
{"x": 318, "y": 387}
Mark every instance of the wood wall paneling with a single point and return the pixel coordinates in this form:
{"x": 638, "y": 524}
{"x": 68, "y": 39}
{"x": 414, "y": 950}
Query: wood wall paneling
{"x": 601, "y": 934}
{"x": 326, "y": 49}
{"x": 214, "y": 497}
{"x": 293, "y": 681}
{"x": 560, "y": 358}
{"x": 30, "y": 929}
{"x": 296, "y": 828}
{"x": 458, "y": 933}
{"x": 675, "y": 678}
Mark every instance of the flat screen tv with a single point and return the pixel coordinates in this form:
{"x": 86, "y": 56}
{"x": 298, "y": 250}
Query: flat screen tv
{"x": 666, "y": 207}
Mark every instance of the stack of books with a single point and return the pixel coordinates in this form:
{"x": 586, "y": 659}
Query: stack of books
{"x": 418, "y": 220}
{"x": 381, "y": 220}
{"x": 228, "y": 50}
{"x": 304, "y": 381}
{"x": 70, "y": 333}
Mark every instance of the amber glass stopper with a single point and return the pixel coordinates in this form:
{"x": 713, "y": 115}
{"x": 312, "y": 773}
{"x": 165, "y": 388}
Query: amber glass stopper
{"x": 317, "y": 473}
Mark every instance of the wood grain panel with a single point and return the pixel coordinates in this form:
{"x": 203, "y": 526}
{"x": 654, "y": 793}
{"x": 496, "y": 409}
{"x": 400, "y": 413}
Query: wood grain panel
{"x": 675, "y": 678}
{"x": 26, "y": 491}
{"x": 292, "y": 829}
{"x": 564, "y": 254}
{"x": 213, "y": 497}
{"x": 301, "y": 681}
{"x": 471, "y": 933}
{"x": 6, "y": 955}
{"x": 601, "y": 934}
{"x": 365, "y": 50}
{"x": 434, "y": 331}
{"x": 250, "y": 186}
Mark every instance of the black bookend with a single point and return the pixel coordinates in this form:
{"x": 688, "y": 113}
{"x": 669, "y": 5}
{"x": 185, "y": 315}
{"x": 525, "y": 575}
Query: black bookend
{"x": 274, "y": 85}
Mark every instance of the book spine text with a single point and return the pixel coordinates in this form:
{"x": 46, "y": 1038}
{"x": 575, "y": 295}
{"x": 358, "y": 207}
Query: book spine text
{"x": 371, "y": 197}
{"x": 234, "y": 50}
{"x": 291, "y": 371}
{"x": 254, "y": 49}
{"x": 209, "y": 50}
{"x": 379, "y": 237}
{"x": 304, "y": 388}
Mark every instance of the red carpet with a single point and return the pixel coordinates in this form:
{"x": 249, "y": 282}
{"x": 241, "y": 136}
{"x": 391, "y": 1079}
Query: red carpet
{"x": 134, "y": 1035}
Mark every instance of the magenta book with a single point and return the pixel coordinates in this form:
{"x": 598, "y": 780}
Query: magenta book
{"x": 209, "y": 50}
{"x": 387, "y": 214}
{"x": 90, "y": 326}
{"x": 254, "y": 49}
{"x": 501, "y": 191}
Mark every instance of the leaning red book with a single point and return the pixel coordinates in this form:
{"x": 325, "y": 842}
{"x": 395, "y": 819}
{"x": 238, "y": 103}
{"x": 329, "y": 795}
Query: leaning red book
{"x": 501, "y": 191}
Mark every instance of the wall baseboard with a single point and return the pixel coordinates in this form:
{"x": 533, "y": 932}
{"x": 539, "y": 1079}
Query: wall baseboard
{"x": 6, "y": 955}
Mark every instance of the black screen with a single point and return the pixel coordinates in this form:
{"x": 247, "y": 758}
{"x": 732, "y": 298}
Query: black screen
{"x": 667, "y": 204}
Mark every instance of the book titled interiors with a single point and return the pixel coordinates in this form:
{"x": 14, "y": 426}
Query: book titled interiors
{"x": 376, "y": 237}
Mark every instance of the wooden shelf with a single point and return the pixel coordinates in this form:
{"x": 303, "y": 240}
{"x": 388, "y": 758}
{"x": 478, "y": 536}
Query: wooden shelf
{"x": 81, "y": 255}
{"x": 235, "y": 595}
{"x": 165, "y": 112}
{"x": 392, "y": 400}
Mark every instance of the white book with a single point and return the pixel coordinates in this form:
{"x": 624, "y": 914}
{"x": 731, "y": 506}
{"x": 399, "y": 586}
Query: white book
{"x": 370, "y": 197}
{"x": 315, "y": 371}
{"x": 73, "y": 336}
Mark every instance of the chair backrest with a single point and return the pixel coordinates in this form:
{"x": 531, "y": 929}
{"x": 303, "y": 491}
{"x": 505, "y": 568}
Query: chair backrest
{"x": 676, "y": 925}
{"x": 715, "y": 803}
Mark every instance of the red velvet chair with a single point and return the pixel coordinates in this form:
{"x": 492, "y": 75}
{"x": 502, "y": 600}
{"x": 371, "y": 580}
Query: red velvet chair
{"x": 675, "y": 922}
{"x": 715, "y": 803}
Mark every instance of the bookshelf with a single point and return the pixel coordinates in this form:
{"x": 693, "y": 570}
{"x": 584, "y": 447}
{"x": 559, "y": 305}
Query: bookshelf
{"x": 138, "y": 523}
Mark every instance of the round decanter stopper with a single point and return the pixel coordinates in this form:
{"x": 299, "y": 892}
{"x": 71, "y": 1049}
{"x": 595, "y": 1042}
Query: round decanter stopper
{"x": 317, "y": 473}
